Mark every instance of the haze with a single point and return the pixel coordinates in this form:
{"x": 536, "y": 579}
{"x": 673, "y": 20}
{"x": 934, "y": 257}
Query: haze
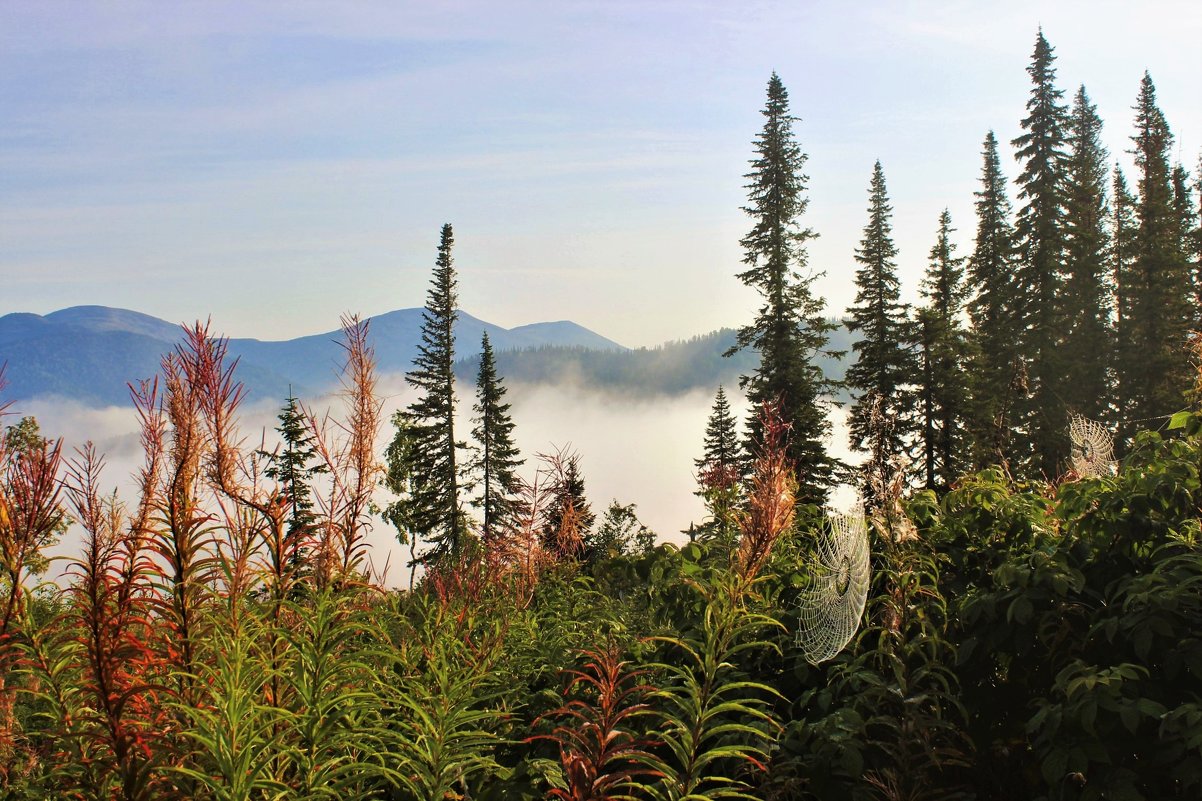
{"x": 638, "y": 452}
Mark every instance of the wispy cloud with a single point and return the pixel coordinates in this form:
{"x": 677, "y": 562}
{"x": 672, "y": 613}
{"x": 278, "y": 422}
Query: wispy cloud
{"x": 203, "y": 140}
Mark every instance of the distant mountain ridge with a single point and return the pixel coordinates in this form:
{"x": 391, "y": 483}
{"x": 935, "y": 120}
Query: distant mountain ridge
{"x": 89, "y": 353}
{"x": 669, "y": 369}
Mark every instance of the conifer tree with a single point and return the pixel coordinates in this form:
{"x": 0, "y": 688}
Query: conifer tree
{"x": 721, "y": 437}
{"x": 995, "y": 312}
{"x": 945, "y": 351}
{"x": 568, "y": 519}
{"x": 1155, "y": 371}
{"x": 1196, "y": 248}
{"x": 789, "y": 330}
{"x": 496, "y": 460}
{"x": 399, "y": 462}
{"x": 1039, "y": 237}
{"x": 290, "y": 466}
{"x": 1122, "y": 266}
{"x": 1087, "y": 346}
{"x": 884, "y": 366}
{"x": 720, "y": 469}
{"x": 1187, "y": 216}
{"x": 433, "y": 508}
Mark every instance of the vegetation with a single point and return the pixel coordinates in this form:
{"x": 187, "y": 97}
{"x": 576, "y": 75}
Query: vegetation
{"x": 1028, "y": 633}
{"x": 1022, "y": 639}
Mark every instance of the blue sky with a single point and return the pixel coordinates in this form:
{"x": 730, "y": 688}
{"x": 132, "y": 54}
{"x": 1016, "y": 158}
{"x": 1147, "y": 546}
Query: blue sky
{"x": 276, "y": 164}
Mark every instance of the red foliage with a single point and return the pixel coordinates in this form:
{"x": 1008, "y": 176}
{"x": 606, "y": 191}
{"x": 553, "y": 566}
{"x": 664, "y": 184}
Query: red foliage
{"x": 600, "y": 755}
{"x": 111, "y": 605}
{"x": 771, "y": 498}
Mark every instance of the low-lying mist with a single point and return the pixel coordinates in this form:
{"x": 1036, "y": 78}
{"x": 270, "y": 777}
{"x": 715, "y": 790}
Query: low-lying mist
{"x": 638, "y": 451}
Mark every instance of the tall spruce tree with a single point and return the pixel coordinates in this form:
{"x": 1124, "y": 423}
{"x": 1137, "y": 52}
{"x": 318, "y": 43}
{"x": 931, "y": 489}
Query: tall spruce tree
{"x": 433, "y": 508}
{"x": 1122, "y": 267}
{"x": 944, "y": 393}
{"x": 1196, "y": 249}
{"x": 885, "y": 365}
{"x": 1155, "y": 370}
{"x": 1039, "y": 237}
{"x": 995, "y": 308}
{"x": 1087, "y": 346}
{"x": 496, "y": 461}
{"x": 719, "y": 470}
{"x": 789, "y": 330}
{"x": 1187, "y": 216}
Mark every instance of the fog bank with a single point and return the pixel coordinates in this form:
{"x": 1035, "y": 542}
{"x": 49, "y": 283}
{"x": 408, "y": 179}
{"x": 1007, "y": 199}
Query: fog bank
{"x": 635, "y": 451}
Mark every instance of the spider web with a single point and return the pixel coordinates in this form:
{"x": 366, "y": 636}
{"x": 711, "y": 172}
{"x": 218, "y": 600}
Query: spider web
{"x": 1091, "y": 450}
{"x": 831, "y": 608}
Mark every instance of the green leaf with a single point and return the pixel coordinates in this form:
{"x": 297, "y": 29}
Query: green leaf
{"x": 1054, "y": 767}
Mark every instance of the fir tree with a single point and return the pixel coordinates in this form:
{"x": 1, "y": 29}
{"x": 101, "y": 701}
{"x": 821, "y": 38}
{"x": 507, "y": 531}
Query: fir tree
{"x": 568, "y": 519}
{"x": 433, "y": 507}
{"x": 1155, "y": 371}
{"x": 399, "y": 461}
{"x": 721, "y": 438}
{"x": 884, "y": 365}
{"x": 789, "y": 329}
{"x": 719, "y": 471}
{"x": 497, "y": 460}
{"x": 289, "y": 466}
{"x": 1122, "y": 266}
{"x": 1087, "y": 345}
{"x": 1039, "y": 236}
{"x": 1196, "y": 249}
{"x": 945, "y": 351}
{"x": 1187, "y": 216}
{"x": 994, "y": 309}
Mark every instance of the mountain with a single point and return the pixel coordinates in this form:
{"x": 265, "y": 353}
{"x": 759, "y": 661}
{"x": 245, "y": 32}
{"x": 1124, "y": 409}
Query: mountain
{"x": 88, "y": 353}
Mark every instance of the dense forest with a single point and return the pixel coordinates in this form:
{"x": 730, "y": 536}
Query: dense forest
{"x": 1014, "y": 612}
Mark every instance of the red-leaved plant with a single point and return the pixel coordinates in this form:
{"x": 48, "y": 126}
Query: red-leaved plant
{"x": 771, "y": 498}
{"x": 603, "y": 757}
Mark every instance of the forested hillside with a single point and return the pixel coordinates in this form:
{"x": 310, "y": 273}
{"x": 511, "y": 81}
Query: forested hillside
{"x": 670, "y": 369}
{"x": 1014, "y": 609}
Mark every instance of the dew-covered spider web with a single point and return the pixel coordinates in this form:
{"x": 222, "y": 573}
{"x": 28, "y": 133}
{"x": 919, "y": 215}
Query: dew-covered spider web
{"x": 832, "y": 606}
{"x": 1091, "y": 448}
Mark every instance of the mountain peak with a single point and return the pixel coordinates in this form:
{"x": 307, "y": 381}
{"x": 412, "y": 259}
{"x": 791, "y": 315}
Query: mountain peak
{"x": 107, "y": 318}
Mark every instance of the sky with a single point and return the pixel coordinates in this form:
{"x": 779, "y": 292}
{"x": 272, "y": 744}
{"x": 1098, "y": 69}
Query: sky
{"x": 275, "y": 164}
